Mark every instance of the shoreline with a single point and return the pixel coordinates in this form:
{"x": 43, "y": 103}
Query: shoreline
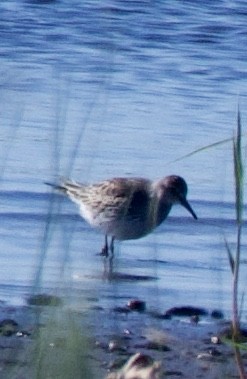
{"x": 184, "y": 347}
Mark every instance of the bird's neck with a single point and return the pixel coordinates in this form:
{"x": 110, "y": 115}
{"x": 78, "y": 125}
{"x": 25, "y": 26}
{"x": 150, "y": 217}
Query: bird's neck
{"x": 162, "y": 212}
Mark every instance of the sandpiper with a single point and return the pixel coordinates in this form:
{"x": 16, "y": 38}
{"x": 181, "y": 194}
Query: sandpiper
{"x": 126, "y": 208}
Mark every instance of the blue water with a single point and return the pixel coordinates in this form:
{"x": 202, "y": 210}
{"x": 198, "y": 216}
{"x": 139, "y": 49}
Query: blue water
{"x": 95, "y": 89}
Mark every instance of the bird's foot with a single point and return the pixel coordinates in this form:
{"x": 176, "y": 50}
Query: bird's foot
{"x": 104, "y": 252}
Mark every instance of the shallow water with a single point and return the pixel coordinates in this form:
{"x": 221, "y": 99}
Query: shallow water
{"x": 93, "y": 90}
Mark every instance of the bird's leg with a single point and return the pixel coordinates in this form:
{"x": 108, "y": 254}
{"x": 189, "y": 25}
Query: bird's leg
{"x": 112, "y": 246}
{"x": 105, "y": 248}
{"x": 111, "y": 257}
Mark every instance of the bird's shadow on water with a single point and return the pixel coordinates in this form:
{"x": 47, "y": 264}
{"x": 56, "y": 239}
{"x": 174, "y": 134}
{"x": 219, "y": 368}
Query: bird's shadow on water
{"x": 111, "y": 275}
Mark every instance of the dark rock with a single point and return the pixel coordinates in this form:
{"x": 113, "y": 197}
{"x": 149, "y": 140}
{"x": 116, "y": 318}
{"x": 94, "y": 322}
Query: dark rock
{"x": 214, "y": 352}
{"x": 44, "y": 300}
{"x": 137, "y": 305}
{"x": 186, "y": 311}
{"x": 227, "y": 333}
{"x": 210, "y": 354}
{"x": 217, "y": 314}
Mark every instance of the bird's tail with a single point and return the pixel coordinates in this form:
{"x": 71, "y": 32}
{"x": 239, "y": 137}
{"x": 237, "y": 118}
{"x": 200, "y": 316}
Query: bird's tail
{"x": 58, "y": 187}
{"x": 67, "y": 187}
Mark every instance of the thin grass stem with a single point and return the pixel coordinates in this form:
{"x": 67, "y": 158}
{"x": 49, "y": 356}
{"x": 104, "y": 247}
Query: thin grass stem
{"x": 238, "y": 174}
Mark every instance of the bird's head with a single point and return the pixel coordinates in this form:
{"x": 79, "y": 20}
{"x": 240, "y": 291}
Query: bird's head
{"x": 173, "y": 190}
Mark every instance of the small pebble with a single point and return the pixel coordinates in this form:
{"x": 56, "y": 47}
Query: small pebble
{"x": 101, "y": 345}
{"x": 23, "y": 333}
{"x": 215, "y": 340}
{"x": 204, "y": 356}
{"x": 115, "y": 345}
{"x": 211, "y": 353}
{"x": 214, "y": 352}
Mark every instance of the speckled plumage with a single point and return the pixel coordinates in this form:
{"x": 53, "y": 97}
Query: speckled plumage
{"x": 127, "y": 208}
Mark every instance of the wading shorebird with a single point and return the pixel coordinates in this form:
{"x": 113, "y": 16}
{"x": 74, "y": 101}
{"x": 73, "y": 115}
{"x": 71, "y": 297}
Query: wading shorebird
{"x": 126, "y": 208}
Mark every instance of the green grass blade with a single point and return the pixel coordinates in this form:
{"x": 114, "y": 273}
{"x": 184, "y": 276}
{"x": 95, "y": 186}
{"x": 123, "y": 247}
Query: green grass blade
{"x": 239, "y": 135}
{"x": 238, "y": 170}
{"x": 230, "y": 256}
{"x": 215, "y": 144}
{"x": 240, "y": 345}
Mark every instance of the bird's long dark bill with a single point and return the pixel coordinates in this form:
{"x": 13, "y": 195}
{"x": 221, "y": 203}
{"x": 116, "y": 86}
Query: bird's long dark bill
{"x": 186, "y": 205}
